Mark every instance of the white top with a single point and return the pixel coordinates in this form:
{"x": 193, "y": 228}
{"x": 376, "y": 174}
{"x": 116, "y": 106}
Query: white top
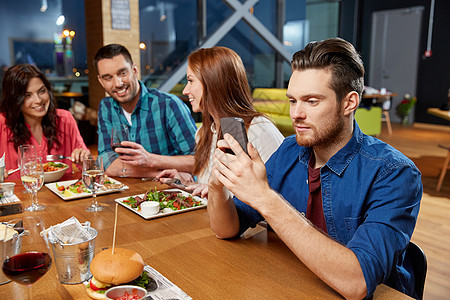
{"x": 127, "y": 116}
{"x": 262, "y": 134}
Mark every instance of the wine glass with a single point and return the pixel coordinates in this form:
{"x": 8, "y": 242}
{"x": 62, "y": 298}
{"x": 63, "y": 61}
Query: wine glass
{"x": 93, "y": 176}
{"x": 25, "y": 151}
{"x": 119, "y": 133}
{"x": 31, "y": 259}
{"x": 32, "y": 176}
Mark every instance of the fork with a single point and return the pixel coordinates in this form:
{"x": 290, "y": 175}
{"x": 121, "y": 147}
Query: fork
{"x": 56, "y": 157}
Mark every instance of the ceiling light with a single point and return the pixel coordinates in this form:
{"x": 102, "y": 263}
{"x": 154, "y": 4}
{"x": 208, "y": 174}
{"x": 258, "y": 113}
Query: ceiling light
{"x": 61, "y": 19}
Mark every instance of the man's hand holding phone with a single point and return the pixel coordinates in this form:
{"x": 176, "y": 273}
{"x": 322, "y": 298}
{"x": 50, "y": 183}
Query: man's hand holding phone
{"x": 244, "y": 175}
{"x": 236, "y": 128}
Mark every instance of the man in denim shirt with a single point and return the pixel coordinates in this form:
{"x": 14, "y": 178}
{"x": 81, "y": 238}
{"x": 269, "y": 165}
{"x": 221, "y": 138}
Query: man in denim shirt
{"x": 345, "y": 203}
{"x": 161, "y": 128}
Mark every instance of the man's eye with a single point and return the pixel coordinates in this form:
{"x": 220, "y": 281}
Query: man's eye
{"x": 313, "y": 101}
{"x": 292, "y": 101}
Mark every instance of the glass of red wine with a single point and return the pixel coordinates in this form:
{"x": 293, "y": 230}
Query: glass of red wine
{"x": 32, "y": 259}
{"x": 119, "y": 134}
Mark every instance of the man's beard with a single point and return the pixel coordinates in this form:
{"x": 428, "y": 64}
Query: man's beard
{"x": 330, "y": 132}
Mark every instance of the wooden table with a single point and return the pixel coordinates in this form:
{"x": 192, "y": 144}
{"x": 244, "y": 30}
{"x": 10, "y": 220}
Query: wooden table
{"x": 439, "y": 113}
{"x": 382, "y": 98}
{"x": 183, "y": 248}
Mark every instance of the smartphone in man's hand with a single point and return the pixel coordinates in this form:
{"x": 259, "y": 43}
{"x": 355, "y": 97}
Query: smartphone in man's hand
{"x": 236, "y": 128}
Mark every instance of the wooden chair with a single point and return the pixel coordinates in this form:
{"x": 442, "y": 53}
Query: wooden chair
{"x": 445, "y": 167}
{"x": 419, "y": 262}
{"x": 387, "y": 119}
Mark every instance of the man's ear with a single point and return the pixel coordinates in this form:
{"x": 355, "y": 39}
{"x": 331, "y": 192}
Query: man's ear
{"x": 99, "y": 80}
{"x": 350, "y": 102}
{"x": 135, "y": 69}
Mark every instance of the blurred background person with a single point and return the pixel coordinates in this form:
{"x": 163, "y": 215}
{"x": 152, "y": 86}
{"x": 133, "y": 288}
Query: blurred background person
{"x": 217, "y": 87}
{"x": 28, "y": 115}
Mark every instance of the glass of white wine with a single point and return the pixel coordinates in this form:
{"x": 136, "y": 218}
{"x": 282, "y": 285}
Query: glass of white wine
{"x": 25, "y": 151}
{"x": 32, "y": 176}
{"x": 93, "y": 177}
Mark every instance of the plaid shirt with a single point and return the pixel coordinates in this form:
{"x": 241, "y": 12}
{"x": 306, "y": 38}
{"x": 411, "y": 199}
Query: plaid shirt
{"x": 162, "y": 124}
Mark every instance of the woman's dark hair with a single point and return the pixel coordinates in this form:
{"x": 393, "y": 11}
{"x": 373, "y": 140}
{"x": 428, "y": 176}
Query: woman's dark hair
{"x": 225, "y": 92}
{"x": 14, "y": 88}
{"x": 340, "y": 57}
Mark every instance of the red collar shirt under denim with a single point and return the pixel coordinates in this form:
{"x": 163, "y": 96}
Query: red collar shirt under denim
{"x": 70, "y": 139}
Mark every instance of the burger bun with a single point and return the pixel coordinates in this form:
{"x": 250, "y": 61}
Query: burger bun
{"x": 122, "y": 266}
{"x": 95, "y": 295}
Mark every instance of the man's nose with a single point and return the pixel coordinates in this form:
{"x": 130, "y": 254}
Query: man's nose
{"x": 297, "y": 111}
{"x": 117, "y": 81}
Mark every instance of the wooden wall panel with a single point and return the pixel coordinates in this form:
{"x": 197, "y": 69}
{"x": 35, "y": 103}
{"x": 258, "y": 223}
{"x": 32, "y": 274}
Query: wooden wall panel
{"x": 99, "y": 32}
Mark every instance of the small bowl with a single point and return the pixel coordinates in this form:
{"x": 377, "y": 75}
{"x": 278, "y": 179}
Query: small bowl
{"x": 119, "y": 291}
{"x": 8, "y": 188}
{"x": 55, "y": 175}
{"x": 149, "y": 208}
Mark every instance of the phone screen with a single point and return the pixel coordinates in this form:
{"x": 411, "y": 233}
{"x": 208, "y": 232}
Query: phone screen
{"x": 235, "y": 127}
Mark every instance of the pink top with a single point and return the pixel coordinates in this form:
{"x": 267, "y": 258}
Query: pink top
{"x": 70, "y": 139}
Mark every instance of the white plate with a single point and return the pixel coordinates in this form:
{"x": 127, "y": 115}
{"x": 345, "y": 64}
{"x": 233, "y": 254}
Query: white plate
{"x": 52, "y": 187}
{"x": 162, "y": 214}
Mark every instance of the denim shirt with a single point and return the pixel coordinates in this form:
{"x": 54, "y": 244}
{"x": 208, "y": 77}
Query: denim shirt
{"x": 370, "y": 194}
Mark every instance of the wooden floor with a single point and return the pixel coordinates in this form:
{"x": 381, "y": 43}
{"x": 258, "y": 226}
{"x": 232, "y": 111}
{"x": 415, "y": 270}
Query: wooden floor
{"x": 432, "y": 231}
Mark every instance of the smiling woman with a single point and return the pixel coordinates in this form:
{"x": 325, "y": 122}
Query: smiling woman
{"x": 28, "y": 115}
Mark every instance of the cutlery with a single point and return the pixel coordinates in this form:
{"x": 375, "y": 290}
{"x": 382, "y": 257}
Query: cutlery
{"x": 13, "y": 171}
{"x": 149, "y": 178}
{"x": 176, "y": 182}
{"x": 56, "y": 157}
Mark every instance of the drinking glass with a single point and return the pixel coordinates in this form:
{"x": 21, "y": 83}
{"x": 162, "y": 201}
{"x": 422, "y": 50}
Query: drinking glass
{"x": 31, "y": 258}
{"x": 32, "y": 176}
{"x": 119, "y": 133}
{"x": 23, "y": 152}
{"x": 93, "y": 177}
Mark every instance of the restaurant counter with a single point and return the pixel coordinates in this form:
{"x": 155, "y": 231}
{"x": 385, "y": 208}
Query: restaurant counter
{"x": 182, "y": 248}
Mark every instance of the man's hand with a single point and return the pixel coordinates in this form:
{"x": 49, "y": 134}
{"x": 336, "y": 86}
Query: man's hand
{"x": 244, "y": 176}
{"x": 137, "y": 156}
{"x": 78, "y": 155}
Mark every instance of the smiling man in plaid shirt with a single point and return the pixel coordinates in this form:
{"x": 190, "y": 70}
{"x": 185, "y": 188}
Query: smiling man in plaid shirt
{"x": 161, "y": 128}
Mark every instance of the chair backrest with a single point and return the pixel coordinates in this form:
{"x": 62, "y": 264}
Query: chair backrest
{"x": 419, "y": 262}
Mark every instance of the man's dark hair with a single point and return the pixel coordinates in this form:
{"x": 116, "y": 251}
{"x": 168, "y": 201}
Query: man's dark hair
{"x": 110, "y": 51}
{"x": 340, "y": 57}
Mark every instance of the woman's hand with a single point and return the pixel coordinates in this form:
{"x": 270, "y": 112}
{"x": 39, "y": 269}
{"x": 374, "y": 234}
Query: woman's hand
{"x": 198, "y": 189}
{"x": 80, "y": 154}
{"x": 168, "y": 174}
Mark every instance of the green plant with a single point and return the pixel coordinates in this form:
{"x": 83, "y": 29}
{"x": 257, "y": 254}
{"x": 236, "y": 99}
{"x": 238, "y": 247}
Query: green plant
{"x": 407, "y": 104}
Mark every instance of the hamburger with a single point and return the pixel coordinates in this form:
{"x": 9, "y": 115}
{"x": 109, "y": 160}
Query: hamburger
{"x": 109, "y": 269}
